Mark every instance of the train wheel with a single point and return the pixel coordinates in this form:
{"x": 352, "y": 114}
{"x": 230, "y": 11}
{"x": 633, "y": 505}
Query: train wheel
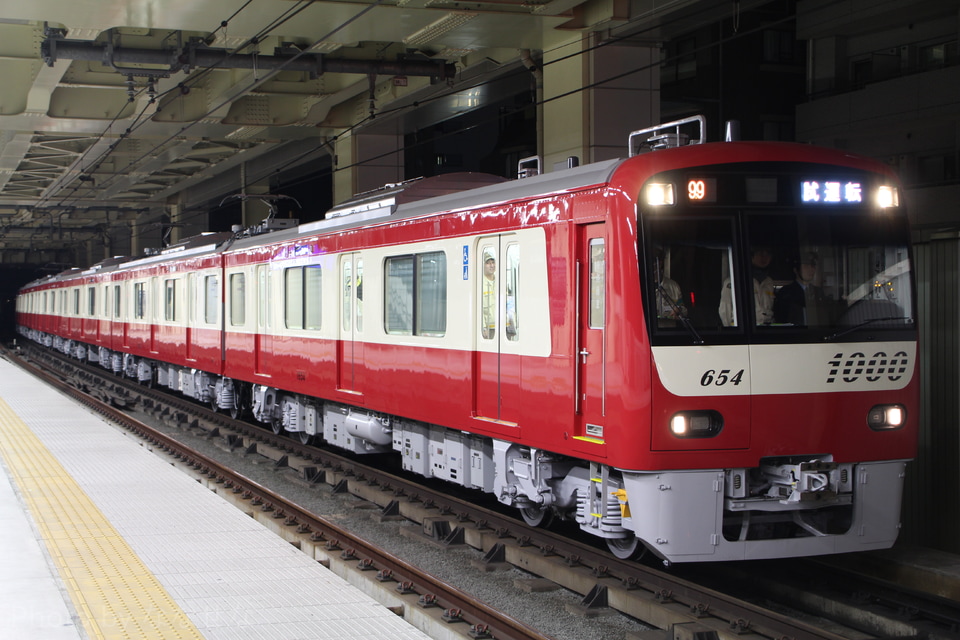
{"x": 240, "y": 401}
{"x": 537, "y": 516}
{"x": 305, "y": 437}
{"x": 276, "y": 426}
{"x": 626, "y": 548}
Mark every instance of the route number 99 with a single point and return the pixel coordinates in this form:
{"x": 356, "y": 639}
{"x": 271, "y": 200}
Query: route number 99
{"x": 696, "y": 189}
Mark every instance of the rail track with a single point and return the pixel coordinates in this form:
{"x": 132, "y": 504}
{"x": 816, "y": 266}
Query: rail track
{"x": 691, "y": 599}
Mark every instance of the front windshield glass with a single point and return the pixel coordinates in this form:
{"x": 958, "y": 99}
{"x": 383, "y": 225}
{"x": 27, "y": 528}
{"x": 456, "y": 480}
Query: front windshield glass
{"x": 832, "y": 271}
{"x": 824, "y": 273}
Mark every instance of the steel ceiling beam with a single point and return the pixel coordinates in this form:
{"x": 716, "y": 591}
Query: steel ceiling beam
{"x": 196, "y": 54}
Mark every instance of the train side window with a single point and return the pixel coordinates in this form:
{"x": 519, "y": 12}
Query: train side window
{"x": 359, "y": 294}
{"x": 156, "y": 299}
{"x": 237, "y": 299}
{"x": 116, "y": 301}
{"x": 511, "y": 321}
{"x": 293, "y": 297}
{"x": 398, "y": 303}
{"x": 92, "y": 301}
{"x": 489, "y": 293}
{"x": 170, "y": 300}
{"x": 352, "y": 290}
{"x": 139, "y": 300}
{"x": 415, "y": 294}
{"x": 76, "y": 301}
{"x": 431, "y": 294}
{"x": 311, "y": 297}
{"x": 302, "y": 294}
{"x": 263, "y": 297}
{"x": 347, "y": 289}
{"x": 211, "y": 299}
{"x": 191, "y": 298}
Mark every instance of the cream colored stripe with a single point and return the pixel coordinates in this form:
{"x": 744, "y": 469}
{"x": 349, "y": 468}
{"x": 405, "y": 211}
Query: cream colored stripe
{"x": 115, "y": 595}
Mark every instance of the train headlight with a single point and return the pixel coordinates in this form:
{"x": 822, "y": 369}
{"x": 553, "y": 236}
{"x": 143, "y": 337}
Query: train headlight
{"x": 887, "y": 417}
{"x": 660, "y": 193}
{"x": 696, "y": 424}
{"x": 888, "y": 197}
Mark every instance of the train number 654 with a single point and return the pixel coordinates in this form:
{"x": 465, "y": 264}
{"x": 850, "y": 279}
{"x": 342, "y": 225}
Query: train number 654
{"x": 711, "y": 377}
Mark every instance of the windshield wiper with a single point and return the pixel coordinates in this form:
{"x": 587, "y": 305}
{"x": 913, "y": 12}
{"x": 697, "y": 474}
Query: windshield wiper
{"x": 680, "y": 315}
{"x": 837, "y": 334}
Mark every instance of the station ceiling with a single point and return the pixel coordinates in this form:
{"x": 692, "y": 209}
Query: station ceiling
{"x": 110, "y": 108}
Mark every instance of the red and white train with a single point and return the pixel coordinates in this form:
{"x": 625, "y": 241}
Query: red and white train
{"x": 707, "y": 350}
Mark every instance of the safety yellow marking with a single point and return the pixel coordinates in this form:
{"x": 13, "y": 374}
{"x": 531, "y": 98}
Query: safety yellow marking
{"x": 114, "y": 594}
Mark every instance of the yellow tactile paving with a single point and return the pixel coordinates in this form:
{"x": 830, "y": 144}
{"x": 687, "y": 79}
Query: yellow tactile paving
{"x": 114, "y": 594}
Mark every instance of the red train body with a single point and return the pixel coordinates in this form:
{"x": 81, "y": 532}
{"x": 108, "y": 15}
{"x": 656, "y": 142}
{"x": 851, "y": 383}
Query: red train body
{"x": 616, "y": 367}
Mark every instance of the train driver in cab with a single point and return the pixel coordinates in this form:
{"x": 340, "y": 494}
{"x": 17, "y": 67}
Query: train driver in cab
{"x": 763, "y": 289}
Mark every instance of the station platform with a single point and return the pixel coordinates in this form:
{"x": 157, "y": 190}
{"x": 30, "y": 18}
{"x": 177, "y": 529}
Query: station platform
{"x": 103, "y": 539}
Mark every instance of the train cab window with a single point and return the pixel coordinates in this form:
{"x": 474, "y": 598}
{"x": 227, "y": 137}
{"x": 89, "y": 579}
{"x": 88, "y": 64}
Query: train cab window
{"x": 830, "y": 274}
{"x": 170, "y": 300}
{"x": 302, "y": 294}
{"x": 690, "y": 276}
{"x": 211, "y": 299}
{"x": 238, "y": 299}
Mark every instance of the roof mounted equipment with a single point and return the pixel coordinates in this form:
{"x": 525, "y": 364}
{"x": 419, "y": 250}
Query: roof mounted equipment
{"x": 271, "y": 222}
{"x": 667, "y": 135}
{"x": 528, "y": 167}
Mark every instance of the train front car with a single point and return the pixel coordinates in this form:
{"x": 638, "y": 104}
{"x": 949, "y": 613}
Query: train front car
{"x": 778, "y": 304}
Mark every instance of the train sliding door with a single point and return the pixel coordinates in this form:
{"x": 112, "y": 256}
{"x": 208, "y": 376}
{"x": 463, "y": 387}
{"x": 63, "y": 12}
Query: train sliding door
{"x": 263, "y": 339}
{"x": 591, "y": 343}
{"x": 497, "y": 379}
{"x": 350, "y": 345}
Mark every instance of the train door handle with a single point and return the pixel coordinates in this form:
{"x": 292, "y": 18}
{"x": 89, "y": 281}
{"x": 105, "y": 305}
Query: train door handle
{"x": 583, "y": 354}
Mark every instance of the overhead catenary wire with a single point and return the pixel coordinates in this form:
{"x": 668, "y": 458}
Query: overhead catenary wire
{"x": 327, "y": 142}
